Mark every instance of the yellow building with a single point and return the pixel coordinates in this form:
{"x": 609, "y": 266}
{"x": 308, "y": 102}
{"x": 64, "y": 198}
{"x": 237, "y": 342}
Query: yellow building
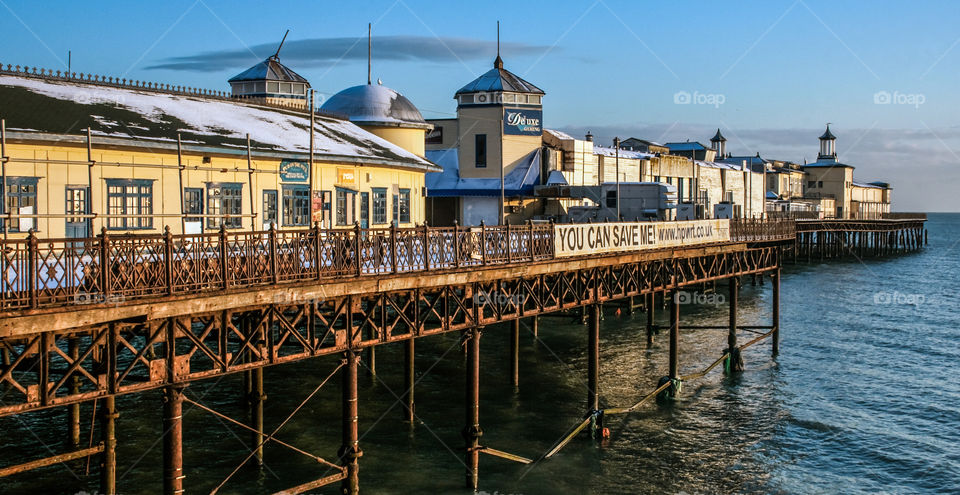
{"x": 829, "y": 179}
{"x": 192, "y": 160}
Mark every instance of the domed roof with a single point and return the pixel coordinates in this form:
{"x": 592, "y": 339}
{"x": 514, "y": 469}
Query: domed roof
{"x": 375, "y": 104}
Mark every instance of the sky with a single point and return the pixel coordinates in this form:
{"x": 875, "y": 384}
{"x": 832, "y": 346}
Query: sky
{"x": 768, "y": 74}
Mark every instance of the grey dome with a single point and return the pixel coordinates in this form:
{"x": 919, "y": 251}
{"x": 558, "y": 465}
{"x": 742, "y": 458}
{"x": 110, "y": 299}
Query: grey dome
{"x": 375, "y": 104}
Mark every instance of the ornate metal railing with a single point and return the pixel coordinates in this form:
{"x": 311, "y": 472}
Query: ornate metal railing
{"x": 112, "y": 268}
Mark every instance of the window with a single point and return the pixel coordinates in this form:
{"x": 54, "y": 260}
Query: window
{"x": 365, "y": 210}
{"x": 396, "y": 208}
{"x": 192, "y": 203}
{"x": 811, "y": 184}
{"x": 21, "y": 198}
{"x": 656, "y": 178}
{"x": 404, "y": 216}
{"x": 269, "y": 207}
{"x": 224, "y": 198}
{"x": 273, "y": 87}
{"x": 680, "y": 189}
{"x": 612, "y": 198}
{"x": 345, "y": 206}
{"x": 130, "y": 197}
{"x": 480, "y": 148}
{"x": 379, "y": 205}
{"x": 820, "y": 184}
{"x": 296, "y": 205}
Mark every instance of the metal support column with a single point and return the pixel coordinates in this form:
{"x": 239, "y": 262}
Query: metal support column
{"x": 350, "y": 450}
{"x": 371, "y": 360}
{"x": 593, "y": 359}
{"x": 735, "y": 361}
{"x": 775, "y": 338}
{"x": 409, "y": 378}
{"x": 515, "y": 352}
{"x": 73, "y": 417}
{"x": 649, "y": 307}
{"x": 108, "y": 459}
{"x": 674, "y": 337}
{"x": 173, "y": 440}
{"x": 256, "y": 399}
{"x": 535, "y": 326}
{"x": 472, "y": 431}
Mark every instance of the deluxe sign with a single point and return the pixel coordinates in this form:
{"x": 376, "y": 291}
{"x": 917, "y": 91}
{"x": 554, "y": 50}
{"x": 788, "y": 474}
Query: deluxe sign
{"x": 292, "y": 171}
{"x": 522, "y": 122}
{"x": 597, "y": 238}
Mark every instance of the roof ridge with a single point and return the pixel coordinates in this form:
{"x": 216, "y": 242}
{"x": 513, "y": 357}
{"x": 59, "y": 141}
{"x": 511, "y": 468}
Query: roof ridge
{"x": 154, "y": 87}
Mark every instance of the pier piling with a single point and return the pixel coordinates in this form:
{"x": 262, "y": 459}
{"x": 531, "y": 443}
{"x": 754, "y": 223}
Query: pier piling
{"x": 409, "y": 378}
{"x": 649, "y": 309}
{"x": 108, "y": 459}
{"x": 775, "y": 338}
{"x": 735, "y": 361}
{"x": 350, "y": 450}
{"x": 73, "y": 416}
{"x": 515, "y": 352}
{"x": 674, "y": 337}
{"x": 256, "y": 399}
{"x": 471, "y": 431}
{"x": 173, "y": 440}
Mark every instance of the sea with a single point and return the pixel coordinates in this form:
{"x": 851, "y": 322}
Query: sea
{"x": 864, "y": 397}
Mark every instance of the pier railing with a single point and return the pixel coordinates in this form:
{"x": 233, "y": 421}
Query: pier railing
{"x": 114, "y": 268}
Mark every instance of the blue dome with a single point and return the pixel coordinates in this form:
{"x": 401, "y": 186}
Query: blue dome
{"x": 375, "y": 104}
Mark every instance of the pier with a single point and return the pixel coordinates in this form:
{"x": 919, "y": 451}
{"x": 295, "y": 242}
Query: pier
{"x": 88, "y": 320}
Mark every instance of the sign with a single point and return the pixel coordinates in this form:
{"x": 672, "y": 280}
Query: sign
{"x": 522, "y": 122}
{"x": 435, "y": 136}
{"x": 294, "y": 171}
{"x": 346, "y": 176}
{"x": 598, "y": 238}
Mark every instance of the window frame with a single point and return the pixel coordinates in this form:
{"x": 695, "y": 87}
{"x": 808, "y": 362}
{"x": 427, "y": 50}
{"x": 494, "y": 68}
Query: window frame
{"x": 271, "y": 216}
{"x": 378, "y": 202}
{"x": 228, "y": 205}
{"x": 404, "y": 206}
{"x": 347, "y": 217}
{"x": 199, "y": 201}
{"x": 18, "y": 183}
{"x": 480, "y": 150}
{"x": 145, "y": 221}
{"x": 297, "y": 204}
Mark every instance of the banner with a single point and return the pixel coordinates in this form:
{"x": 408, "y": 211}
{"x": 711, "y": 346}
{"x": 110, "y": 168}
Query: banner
{"x": 597, "y": 238}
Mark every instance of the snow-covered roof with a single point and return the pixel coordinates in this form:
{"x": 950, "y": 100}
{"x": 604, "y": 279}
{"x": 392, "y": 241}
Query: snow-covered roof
{"x": 375, "y": 104}
{"x": 519, "y": 182}
{"x": 558, "y": 134}
{"x": 826, "y": 163}
{"x": 141, "y": 117}
{"x": 867, "y": 185}
{"x": 603, "y": 150}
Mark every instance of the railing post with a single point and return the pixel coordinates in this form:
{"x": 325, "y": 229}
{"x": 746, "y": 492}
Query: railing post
{"x": 530, "y": 240}
{"x": 224, "y": 272}
{"x": 483, "y": 243}
{"x": 426, "y": 246}
{"x": 358, "y": 254}
{"x": 32, "y": 267}
{"x": 105, "y": 263}
{"x": 509, "y": 251}
{"x": 168, "y": 257}
{"x": 393, "y": 247}
{"x": 318, "y": 249}
{"x": 456, "y": 244}
{"x": 274, "y": 273}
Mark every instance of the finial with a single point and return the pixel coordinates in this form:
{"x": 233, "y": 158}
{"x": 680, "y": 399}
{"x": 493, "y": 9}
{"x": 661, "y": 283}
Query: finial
{"x": 498, "y": 63}
{"x": 276, "y": 56}
{"x": 369, "y": 52}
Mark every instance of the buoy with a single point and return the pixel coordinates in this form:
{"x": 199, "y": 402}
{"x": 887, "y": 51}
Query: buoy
{"x": 606, "y": 433}
{"x": 618, "y": 311}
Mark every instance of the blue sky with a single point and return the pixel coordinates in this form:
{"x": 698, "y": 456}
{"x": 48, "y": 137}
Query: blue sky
{"x": 769, "y": 74}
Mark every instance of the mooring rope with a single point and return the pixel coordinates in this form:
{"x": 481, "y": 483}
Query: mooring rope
{"x": 246, "y": 427}
{"x": 284, "y": 423}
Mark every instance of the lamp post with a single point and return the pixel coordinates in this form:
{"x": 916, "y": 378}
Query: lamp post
{"x": 616, "y": 145}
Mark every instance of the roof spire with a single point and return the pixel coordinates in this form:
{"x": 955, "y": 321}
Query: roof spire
{"x": 276, "y": 56}
{"x": 369, "y": 52}
{"x": 498, "y": 63}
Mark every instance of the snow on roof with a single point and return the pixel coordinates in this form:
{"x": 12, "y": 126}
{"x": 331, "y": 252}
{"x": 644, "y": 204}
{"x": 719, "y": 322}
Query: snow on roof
{"x": 376, "y": 104}
{"x": 558, "y": 134}
{"x": 59, "y": 107}
{"x": 867, "y": 184}
{"x": 603, "y": 150}
{"x": 826, "y": 163}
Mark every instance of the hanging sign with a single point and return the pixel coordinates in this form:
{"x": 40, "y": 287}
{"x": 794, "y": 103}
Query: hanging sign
{"x": 597, "y": 238}
{"x": 294, "y": 171}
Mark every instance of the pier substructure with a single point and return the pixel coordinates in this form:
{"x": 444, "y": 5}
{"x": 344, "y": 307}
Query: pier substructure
{"x": 471, "y": 430}
{"x": 409, "y": 379}
{"x": 350, "y": 450}
{"x": 173, "y": 440}
{"x": 256, "y": 399}
{"x": 674, "y": 337}
{"x": 73, "y": 416}
{"x": 108, "y": 435}
{"x": 775, "y": 338}
{"x": 515, "y": 353}
{"x": 593, "y": 367}
{"x": 735, "y": 360}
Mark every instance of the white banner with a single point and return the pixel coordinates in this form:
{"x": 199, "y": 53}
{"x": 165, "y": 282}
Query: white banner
{"x": 596, "y": 238}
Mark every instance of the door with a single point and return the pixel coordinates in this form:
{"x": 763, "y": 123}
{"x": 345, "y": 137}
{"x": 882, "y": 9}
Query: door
{"x": 77, "y": 227}
{"x": 364, "y": 210}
